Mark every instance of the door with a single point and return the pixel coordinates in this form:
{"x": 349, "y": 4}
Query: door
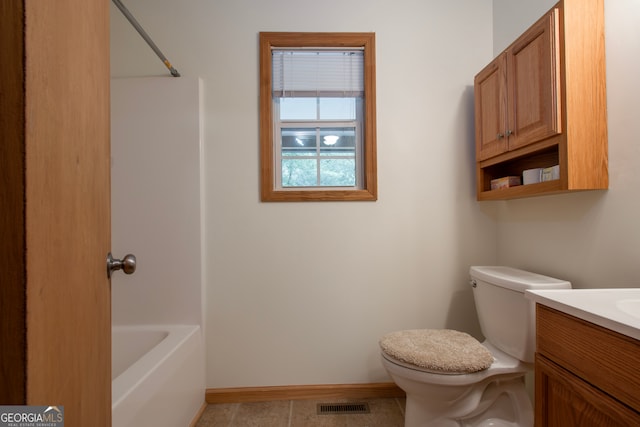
{"x": 490, "y": 92}
{"x": 533, "y": 75}
{"x": 58, "y": 208}
{"x": 564, "y": 400}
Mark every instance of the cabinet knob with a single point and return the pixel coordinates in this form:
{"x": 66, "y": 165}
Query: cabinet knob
{"x": 500, "y": 136}
{"x": 509, "y": 133}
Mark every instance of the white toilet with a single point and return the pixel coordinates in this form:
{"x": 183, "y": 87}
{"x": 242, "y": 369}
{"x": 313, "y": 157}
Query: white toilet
{"x": 451, "y": 380}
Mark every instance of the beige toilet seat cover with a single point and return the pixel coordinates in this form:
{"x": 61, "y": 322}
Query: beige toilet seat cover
{"x": 438, "y": 350}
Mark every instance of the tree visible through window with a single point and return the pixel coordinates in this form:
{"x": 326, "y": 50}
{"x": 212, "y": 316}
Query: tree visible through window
{"x": 317, "y": 116}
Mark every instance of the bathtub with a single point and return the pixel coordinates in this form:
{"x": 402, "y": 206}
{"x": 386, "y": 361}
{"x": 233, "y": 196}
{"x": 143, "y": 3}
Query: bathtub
{"x": 157, "y": 375}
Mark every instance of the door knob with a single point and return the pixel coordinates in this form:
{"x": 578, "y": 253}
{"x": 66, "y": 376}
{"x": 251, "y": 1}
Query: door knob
{"x": 127, "y": 264}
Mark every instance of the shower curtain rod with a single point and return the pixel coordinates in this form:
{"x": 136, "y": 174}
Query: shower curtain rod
{"x": 145, "y": 36}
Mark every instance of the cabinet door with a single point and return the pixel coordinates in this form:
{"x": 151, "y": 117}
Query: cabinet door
{"x": 491, "y": 109}
{"x": 533, "y": 78}
{"x": 564, "y": 400}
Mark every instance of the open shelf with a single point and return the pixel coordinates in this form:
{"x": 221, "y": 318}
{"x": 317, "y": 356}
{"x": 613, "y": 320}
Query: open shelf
{"x": 493, "y": 169}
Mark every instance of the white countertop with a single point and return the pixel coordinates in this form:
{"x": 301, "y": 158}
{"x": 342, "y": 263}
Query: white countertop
{"x": 615, "y": 309}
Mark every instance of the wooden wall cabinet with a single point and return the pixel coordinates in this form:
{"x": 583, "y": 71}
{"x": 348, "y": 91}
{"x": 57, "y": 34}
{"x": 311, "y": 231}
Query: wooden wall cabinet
{"x": 585, "y": 375}
{"x": 516, "y": 94}
{"x": 542, "y": 102}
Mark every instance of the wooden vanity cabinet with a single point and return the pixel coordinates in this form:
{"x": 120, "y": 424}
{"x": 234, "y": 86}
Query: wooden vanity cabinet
{"x": 585, "y": 375}
{"x": 542, "y": 102}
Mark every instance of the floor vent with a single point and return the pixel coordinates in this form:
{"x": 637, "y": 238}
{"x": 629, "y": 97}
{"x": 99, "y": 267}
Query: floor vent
{"x": 342, "y": 408}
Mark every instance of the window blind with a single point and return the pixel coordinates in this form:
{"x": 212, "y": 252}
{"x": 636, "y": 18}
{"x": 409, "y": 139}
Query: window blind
{"x": 317, "y": 73}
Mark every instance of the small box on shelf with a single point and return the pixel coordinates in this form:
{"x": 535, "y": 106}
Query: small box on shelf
{"x": 505, "y": 182}
{"x": 532, "y": 176}
{"x": 549, "y": 174}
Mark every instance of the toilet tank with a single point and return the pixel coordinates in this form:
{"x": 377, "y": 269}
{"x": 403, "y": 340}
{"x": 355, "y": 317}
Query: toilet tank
{"x": 507, "y": 318}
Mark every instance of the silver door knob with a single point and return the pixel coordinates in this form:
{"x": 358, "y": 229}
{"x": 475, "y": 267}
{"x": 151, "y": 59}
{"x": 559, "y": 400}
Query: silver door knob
{"x": 127, "y": 264}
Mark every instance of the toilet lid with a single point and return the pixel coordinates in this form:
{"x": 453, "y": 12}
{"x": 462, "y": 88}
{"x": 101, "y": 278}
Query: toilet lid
{"x": 438, "y": 350}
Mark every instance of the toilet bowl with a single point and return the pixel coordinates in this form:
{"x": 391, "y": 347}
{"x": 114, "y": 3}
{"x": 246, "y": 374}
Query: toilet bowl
{"x": 438, "y": 396}
{"x": 446, "y": 400}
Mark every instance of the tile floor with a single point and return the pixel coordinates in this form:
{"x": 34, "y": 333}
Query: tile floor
{"x": 301, "y": 413}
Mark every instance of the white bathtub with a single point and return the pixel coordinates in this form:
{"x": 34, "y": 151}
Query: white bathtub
{"x": 157, "y": 375}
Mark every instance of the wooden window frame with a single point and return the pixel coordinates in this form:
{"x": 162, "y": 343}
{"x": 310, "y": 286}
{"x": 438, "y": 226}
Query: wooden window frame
{"x": 268, "y": 191}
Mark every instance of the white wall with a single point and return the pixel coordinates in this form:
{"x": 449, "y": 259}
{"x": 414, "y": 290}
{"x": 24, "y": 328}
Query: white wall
{"x": 512, "y": 17}
{"x": 155, "y": 200}
{"x": 591, "y": 238}
{"x": 299, "y": 293}
{"x": 275, "y": 313}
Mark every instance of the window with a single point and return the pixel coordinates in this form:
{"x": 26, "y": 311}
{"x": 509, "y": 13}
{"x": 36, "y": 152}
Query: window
{"x": 317, "y": 116}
